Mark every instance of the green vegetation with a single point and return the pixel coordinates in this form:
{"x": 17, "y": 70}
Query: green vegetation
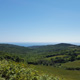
{"x": 59, "y": 72}
{"x": 9, "y": 48}
{"x": 42, "y": 62}
{"x": 75, "y": 65}
{"x": 17, "y": 71}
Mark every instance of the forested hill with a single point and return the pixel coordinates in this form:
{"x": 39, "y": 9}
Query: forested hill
{"x": 56, "y": 45}
{"x": 60, "y": 58}
{"x": 39, "y": 54}
{"x": 60, "y": 46}
{"x": 9, "y": 48}
{"x": 39, "y": 49}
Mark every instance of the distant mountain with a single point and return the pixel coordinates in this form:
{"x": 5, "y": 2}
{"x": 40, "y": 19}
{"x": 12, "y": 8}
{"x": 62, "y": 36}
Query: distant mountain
{"x": 65, "y": 44}
{"x": 51, "y": 48}
{"x": 14, "y": 48}
{"x": 39, "y": 52}
{"x": 39, "y": 49}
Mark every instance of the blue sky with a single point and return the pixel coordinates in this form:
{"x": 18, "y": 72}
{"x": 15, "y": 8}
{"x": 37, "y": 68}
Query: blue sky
{"x": 39, "y": 20}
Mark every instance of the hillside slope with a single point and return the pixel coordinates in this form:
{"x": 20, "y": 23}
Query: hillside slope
{"x": 14, "y": 48}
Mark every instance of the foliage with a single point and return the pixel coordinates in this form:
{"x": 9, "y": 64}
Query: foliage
{"x": 17, "y": 71}
{"x": 9, "y": 48}
{"x": 14, "y": 58}
{"x": 40, "y": 55}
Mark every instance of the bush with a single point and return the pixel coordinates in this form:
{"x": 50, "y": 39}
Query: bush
{"x": 17, "y": 71}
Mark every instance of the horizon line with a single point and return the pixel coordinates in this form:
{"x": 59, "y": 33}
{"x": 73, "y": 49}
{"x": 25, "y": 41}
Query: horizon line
{"x": 39, "y": 42}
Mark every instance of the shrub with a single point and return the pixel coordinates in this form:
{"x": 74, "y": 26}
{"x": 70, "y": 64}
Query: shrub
{"x": 16, "y": 71}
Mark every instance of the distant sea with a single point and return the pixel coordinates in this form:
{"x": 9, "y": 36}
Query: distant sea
{"x": 36, "y": 44}
{"x": 32, "y": 44}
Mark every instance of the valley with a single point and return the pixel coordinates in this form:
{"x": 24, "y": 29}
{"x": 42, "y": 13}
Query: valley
{"x": 61, "y": 61}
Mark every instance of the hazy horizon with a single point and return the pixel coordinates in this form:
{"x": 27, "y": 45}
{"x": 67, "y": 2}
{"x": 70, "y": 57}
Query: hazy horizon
{"x": 28, "y": 44}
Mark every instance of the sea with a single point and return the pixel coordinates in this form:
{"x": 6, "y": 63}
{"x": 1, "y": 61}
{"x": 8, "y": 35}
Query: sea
{"x": 29, "y": 44}
{"x": 32, "y": 44}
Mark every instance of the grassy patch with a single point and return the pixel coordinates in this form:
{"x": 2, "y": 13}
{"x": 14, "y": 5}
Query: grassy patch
{"x": 73, "y": 64}
{"x": 63, "y": 74}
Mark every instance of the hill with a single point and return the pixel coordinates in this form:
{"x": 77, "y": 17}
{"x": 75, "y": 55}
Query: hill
{"x": 51, "y": 59}
{"x": 10, "y": 48}
{"x": 56, "y": 46}
{"x": 36, "y": 53}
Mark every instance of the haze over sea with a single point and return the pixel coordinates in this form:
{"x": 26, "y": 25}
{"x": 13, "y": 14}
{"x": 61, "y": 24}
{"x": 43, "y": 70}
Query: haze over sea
{"x": 28, "y": 44}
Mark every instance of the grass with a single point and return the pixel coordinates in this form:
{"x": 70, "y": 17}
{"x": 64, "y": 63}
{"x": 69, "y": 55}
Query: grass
{"x": 73, "y": 64}
{"x": 59, "y": 72}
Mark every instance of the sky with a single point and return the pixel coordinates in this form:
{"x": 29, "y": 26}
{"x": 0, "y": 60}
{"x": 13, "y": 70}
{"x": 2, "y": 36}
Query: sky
{"x": 40, "y": 21}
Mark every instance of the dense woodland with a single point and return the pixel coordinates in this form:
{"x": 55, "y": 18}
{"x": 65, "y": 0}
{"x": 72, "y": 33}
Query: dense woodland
{"x": 50, "y": 55}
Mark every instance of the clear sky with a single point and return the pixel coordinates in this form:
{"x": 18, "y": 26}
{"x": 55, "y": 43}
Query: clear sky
{"x": 39, "y": 20}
